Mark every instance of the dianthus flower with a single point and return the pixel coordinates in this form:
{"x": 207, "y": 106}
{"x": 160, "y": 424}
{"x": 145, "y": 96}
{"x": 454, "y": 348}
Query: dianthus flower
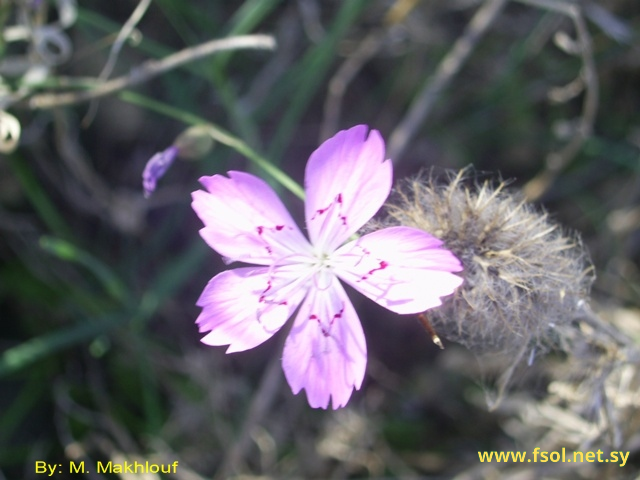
{"x": 404, "y": 269}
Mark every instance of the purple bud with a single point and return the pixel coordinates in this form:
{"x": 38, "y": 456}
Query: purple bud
{"x": 156, "y": 168}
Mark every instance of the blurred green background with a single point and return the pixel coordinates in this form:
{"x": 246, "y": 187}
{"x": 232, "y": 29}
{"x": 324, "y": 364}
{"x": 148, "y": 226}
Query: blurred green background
{"x": 100, "y": 355}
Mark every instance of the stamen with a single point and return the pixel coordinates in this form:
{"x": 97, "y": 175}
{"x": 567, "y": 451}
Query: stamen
{"x": 323, "y": 279}
{"x": 285, "y": 276}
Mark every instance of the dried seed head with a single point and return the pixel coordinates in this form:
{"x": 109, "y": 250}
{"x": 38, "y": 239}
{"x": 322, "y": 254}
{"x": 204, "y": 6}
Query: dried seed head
{"x": 524, "y": 276}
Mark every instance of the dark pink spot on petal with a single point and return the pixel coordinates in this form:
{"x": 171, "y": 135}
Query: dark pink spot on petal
{"x": 263, "y": 296}
{"x": 262, "y": 230}
{"x": 327, "y": 331}
{"x": 336, "y": 201}
{"x": 382, "y": 266}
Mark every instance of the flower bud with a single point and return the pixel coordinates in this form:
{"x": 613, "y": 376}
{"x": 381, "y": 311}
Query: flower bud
{"x": 193, "y": 143}
{"x": 156, "y": 168}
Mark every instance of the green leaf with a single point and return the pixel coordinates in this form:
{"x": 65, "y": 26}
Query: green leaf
{"x": 69, "y": 252}
{"x": 40, "y": 347}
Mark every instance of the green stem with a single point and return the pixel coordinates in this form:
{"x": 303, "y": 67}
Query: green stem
{"x": 219, "y": 135}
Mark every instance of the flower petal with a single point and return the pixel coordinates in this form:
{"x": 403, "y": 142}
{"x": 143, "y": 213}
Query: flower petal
{"x": 156, "y": 167}
{"x": 403, "y": 269}
{"x": 346, "y": 180}
{"x": 325, "y": 352}
{"x": 238, "y": 311}
{"x": 245, "y": 220}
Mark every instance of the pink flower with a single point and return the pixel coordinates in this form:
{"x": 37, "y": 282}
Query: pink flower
{"x": 404, "y": 269}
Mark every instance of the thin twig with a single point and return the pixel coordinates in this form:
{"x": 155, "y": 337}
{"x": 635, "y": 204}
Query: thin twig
{"x": 124, "y": 33}
{"x": 557, "y": 161}
{"x": 447, "y": 69}
{"x": 505, "y": 378}
{"x": 153, "y": 68}
{"x": 369, "y": 46}
{"x": 338, "y": 84}
{"x": 262, "y": 401}
{"x": 611, "y": 25}
{"x": 600, "y": 326}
